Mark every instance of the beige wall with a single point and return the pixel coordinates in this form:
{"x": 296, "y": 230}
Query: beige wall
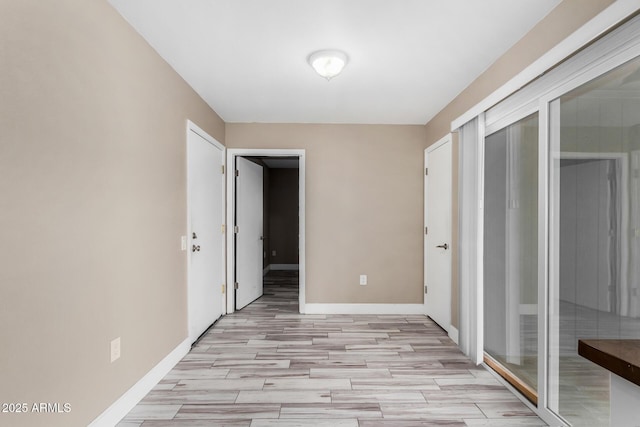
{"x": 364, "y": 206}
{"x": 92, "y": 177}
{"x": 562, "y": 21}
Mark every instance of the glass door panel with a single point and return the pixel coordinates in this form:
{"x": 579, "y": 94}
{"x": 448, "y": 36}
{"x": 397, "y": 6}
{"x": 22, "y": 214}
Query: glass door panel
{"x": 594, "y": 229}
{"x": 511, "y": 252}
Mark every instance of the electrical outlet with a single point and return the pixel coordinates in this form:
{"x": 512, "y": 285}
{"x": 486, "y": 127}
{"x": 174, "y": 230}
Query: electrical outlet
{"x": 363, "y": 279}
{"x": 273, "y": 253}
{"x": 183, "y": 243}
{"x": 115, "y": 349}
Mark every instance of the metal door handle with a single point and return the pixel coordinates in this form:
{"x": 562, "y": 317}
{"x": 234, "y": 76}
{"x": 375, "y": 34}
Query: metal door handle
{"x": 195, "y": 248}
{"x": 445, "y": 246}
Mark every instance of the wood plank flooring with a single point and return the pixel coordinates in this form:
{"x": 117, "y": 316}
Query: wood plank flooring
{"x": 268, "y": 366}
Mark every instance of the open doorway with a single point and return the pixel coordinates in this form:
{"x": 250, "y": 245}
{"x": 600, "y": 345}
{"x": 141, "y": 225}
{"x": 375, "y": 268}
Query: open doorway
{"x": 278, "y": 215}
{"x": 281, "y": 257}
{"x": 280, "y": 263}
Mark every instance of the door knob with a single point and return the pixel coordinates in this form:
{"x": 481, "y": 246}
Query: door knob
{"x": 445, "y": 246}
{"x": 195, "y": 248}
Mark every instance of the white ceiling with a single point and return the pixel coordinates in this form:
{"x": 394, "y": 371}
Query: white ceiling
{"x": 407, "y": 58}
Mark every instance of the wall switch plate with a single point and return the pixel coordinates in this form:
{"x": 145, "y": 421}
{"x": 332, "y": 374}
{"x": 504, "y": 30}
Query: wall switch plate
{"x": 183, "y": 243}
{"x": 273, "y": 253}
{"x": 115, "y": 349}
{"x": 363, "y": 279}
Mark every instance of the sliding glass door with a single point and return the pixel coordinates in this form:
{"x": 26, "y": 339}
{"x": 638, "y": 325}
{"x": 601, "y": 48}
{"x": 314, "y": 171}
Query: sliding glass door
{"x": 551, "y": 244}
{"x": 510, "y": 253}
{"x": 594, "y": 235}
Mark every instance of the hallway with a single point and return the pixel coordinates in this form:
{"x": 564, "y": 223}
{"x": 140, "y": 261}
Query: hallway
{"x": 267, "y": 365}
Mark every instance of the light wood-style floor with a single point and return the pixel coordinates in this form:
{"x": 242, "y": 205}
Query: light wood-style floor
{"x": 267, "y": 365}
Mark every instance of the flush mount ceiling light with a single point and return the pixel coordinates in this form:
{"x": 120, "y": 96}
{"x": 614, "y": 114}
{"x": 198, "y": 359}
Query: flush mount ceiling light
{"x": 328, "y": 63}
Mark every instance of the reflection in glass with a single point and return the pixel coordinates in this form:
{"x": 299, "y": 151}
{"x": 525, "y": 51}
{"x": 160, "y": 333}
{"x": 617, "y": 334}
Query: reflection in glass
{"x": 595, "y": 224}
{"x": 510, "y": 253}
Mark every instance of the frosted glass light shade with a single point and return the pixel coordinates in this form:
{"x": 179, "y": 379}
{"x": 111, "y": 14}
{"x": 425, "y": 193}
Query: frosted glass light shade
{"x": 328, "y": 63}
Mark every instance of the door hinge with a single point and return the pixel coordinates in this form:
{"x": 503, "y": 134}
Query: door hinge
{"x": 426, "y": 230}
{"x": 224, "y": 288}
{"x": 223, "y": 228}
{"x": 426, "y": 171}
{"x": 236, "y": 229}
{"x": 222, "y": 169}
{"x": 237, "y": 172}
{"x": 425, "y": 289}
{"x": 236, "y": 286}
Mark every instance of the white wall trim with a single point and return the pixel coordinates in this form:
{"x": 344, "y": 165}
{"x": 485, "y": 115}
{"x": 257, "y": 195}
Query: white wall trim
{"x": 197, "y": 129}
{"x": 291, "y": 267}
{"x": 590, "y": 31}
{"x": 266, "y": 270}
{"x": 121, "y": 407}
{"x": 453, "y": 334}
{"x": 439, "y": 143}
{"x": 365, "y": 309}
{"x": 232, "y": 153}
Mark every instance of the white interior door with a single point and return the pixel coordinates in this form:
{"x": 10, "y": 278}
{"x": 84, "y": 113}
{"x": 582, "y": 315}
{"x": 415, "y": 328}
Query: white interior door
{"x": 249, "y": 238}
{"x": 437, "y": 240}
{"x": 205, "y": 238}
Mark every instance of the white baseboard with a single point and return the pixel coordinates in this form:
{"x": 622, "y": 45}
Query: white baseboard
{"x": 121, "y": 407}
{"x": 266, "y": 270}
{"x": 284, "y": 266}
{"x": 364, "y": 308}
{"x": 453, "y": 334}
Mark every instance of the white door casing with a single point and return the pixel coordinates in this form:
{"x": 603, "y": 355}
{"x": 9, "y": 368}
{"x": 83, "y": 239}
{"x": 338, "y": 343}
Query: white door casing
{"x": 249, "y": 237}
{"x": 205, "y": 248}
{"x": 437, "y": 239}
{"x": 234, "y": 153}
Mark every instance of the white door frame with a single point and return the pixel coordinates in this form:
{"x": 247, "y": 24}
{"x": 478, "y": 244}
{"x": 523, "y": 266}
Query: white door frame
{"x": 192, "y": 127}
{"x": 452, "y": 331}
{"x": 232, "y": 153}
